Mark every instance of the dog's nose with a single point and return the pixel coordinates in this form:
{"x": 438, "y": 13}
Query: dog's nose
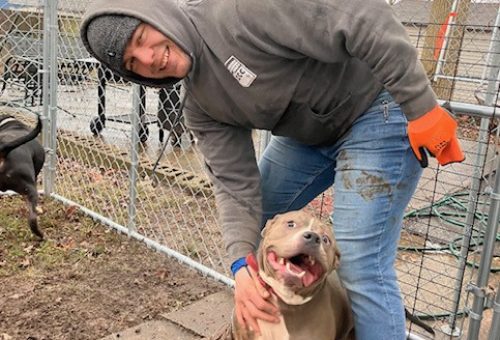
{"x": 311, "y": 237}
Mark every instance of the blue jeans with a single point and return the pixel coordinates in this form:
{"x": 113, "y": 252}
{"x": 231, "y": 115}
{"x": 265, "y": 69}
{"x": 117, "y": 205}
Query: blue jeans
{"x": 374, "y": 174}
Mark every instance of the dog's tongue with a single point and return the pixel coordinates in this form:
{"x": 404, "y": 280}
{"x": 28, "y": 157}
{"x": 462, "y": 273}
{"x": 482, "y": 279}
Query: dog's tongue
{"x": 309, "y": 279}
{"x": 292, "y": 274}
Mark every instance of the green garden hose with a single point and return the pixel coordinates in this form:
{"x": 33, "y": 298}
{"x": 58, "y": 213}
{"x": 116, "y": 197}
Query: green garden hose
{"x": 453, "y": 210}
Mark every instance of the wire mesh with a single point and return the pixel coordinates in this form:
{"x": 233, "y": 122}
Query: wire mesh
{"x": 444, "y": 226}
{"x": 123, "y": 152}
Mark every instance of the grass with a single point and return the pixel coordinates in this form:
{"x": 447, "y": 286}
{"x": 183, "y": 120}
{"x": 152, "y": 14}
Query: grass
{"x": 84, "y": 281}
{"x": 21, "y": 251}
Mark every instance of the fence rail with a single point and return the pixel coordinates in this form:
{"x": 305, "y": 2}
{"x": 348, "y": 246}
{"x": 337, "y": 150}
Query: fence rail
{"x": 108, "y": 153}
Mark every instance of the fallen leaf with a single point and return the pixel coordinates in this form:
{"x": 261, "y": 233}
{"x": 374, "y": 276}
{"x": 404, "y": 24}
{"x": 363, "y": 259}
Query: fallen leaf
{"x": 71, "y": 211}
{"x": 28, "y": 249}
{"x": 25, "y": 263}
{"x": 67, "y": 244}
{"x": 16, "y": 296}
{"x": 162, "y": 274}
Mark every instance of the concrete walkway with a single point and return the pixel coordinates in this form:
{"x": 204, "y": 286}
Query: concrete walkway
{"x": 196, "y": 321}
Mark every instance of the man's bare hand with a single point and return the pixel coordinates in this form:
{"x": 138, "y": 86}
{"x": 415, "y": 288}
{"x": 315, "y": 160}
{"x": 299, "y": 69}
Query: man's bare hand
{"x": 251, "y": 300}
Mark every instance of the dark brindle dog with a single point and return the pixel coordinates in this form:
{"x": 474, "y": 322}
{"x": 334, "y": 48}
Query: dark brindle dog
{"x": 21, "y": 159}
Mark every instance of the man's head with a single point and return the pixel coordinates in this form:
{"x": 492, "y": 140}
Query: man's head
{"x": 129, "y": 46}
{"x": 108, "y": 36}
{"x": 151, "y": 54}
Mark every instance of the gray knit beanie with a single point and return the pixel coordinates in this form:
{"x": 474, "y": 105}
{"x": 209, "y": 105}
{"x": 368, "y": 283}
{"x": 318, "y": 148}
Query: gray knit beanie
{"x": 108, "y": 36}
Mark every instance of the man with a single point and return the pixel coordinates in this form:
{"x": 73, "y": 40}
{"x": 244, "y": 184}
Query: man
{"x": 341, "y": 88}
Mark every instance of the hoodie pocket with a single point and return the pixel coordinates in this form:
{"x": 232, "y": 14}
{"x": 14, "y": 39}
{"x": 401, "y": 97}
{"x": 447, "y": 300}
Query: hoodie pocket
{"x": 310, "y": 127}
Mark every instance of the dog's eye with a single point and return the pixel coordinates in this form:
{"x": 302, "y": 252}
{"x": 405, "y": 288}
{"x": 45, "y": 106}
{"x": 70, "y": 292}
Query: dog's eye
{"x": 291, "y": 224}
{"x": 326, "y": 240}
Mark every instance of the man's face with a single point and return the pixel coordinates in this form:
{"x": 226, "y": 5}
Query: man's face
{"x": 151, "y": 54}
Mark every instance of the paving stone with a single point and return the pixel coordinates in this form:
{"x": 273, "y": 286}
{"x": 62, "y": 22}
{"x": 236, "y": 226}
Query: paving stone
{"x": 206, "y": 316}
{"x": 154, "y": 330}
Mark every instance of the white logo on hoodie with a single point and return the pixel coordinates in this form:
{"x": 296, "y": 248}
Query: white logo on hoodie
{"x": 240, "y": 72}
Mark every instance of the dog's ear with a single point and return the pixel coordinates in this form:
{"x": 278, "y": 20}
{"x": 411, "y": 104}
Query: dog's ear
{"x": 263, "y": 231}
{"x": 268, "y": 223}
{"x": 336, "y": 258}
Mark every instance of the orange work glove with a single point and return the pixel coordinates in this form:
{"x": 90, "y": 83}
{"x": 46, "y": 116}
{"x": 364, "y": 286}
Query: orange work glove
{"x": 435, "y": 132}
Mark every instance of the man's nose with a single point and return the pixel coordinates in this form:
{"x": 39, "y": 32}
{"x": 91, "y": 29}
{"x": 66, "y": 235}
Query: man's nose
{"x": 145, "y": 56}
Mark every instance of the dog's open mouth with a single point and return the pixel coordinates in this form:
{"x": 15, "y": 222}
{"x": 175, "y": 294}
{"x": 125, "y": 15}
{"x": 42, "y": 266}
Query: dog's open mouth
{"x": 299, "y": 270}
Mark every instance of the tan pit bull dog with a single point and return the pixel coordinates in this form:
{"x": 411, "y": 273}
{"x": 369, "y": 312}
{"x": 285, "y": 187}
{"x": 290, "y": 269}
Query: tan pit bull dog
{"x": 296, "y": 259}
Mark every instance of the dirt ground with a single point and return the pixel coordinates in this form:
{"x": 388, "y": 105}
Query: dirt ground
{"x": 84, "y": 281}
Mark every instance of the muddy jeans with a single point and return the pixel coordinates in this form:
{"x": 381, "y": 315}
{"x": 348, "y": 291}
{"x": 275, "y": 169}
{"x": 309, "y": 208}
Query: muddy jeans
{"x": 374, "y": 174}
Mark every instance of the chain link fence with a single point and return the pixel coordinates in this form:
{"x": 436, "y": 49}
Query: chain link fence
{"x": 448, "y": 255}
{"x": 122, "y": 154}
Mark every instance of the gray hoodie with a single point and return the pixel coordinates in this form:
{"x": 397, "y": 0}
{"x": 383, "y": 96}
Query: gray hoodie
{"x": 305, "y": 69}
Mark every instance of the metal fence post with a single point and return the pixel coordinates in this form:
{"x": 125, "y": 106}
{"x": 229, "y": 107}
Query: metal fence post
{"x": 495, "y": 323}
{"x": 486, "y": 260}
{"x": 45, "y": 92}
{"x": 137, "y": 93}
{"x": 49, "y": 89}
{"x": 54, "y": 33}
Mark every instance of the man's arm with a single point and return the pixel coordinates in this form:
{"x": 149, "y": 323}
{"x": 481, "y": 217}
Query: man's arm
{"x": 231, "y": 165}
